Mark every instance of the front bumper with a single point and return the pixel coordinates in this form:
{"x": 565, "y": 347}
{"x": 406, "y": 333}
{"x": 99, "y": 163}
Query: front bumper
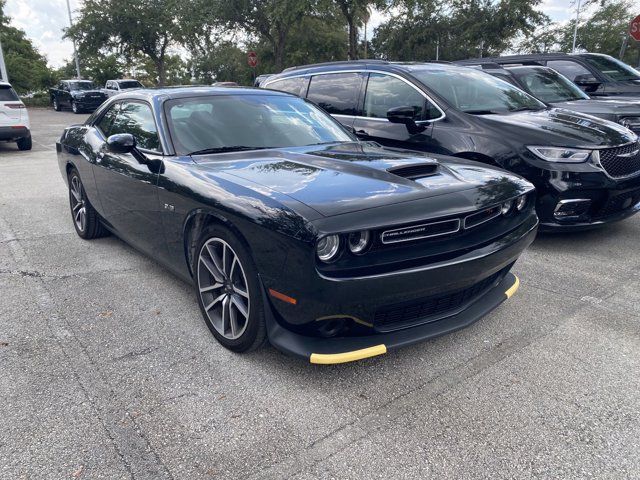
{"x": 349, "y": 349}
{"x": 13, "y": 133}
{"x": 394, "y": 309}
{"x": 89, "y": 103}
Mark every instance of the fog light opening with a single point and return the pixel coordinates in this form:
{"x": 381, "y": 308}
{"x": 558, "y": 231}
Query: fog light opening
{"x": 571, "y": 209}
{"x": 331, "y": 328}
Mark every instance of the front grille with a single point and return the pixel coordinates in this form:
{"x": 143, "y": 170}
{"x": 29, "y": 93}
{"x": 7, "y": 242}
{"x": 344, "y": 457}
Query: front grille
{"x": 621, "y": 161}
{"x": 619, "y": 203}
{"x": 419, "y": 311}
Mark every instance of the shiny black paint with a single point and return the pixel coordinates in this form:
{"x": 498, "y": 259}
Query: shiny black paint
{"x": 501, "y": 140}
{"x": 280, "y": 201}
{"x": 84, "y": 99}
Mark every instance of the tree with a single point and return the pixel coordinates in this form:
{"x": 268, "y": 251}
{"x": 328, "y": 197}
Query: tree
{"x": 129, "y": 28}
{"x": 26, "y": 67}
{"x": 354, "y": 12}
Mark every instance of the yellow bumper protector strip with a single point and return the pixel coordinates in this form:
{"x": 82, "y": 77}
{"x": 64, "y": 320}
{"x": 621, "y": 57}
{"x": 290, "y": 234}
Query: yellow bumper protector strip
{"x": 331, "y": 358}
{"x": 513, "y": 289}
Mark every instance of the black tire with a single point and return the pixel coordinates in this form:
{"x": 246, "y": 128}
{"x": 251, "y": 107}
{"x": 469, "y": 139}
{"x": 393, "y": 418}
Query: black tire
{"x": 75, "y": 108}
{"x": 56, "y": 104}
{"x": 92, "y": 227}
{"x": 255, "y": 332}
{"x": 24, "y": 143}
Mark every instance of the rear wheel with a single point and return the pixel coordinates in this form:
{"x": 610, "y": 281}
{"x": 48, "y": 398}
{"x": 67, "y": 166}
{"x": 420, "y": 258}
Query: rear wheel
{"x": 24, "y": 143}
{"x": 228, "y": 290}
{"x": 86, "y": 220}
{"x": 56, "y": 105}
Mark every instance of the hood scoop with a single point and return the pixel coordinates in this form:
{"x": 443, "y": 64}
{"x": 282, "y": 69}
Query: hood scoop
{"x": 415, "y": 171}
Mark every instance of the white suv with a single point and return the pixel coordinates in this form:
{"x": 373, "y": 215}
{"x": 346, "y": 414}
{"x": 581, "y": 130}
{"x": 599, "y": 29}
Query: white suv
{"x": 14, "y": 119}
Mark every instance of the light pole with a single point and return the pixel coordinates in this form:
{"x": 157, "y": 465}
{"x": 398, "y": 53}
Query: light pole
{"x": 575, "y": 29}
{"x": 3, "y": 67}
{"x": 75, "y": 52}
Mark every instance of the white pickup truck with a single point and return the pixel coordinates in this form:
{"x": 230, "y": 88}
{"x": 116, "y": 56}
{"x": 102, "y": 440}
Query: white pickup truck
{"x": 114, "y": 87}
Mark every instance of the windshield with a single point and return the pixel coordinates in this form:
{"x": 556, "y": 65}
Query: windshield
{"x": 220, "y": 122}
{"x": 473, "y": 91}
{"x": 81, "y": 86}
{"x": 612, "y": 68}
{"x": 130, "y": 84}
{"x": 548, "y": 85}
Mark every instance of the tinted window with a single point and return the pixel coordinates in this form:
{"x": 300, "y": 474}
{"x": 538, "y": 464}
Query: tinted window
{"x": 476, "y": 92}
{"x": 129, "y": 84}
{"x": 82, "y": 85}
{"x": 548, "y": 85}
{"x": 385, "y": 92}
{"x": 568, "y": 68}
{"x": 337, "y": 93}
{"x": 7, "y": 94}
{"x": 297, "y": 86}
{"x": 251, "y": 121}
{"x": 137, "y": 119}
{"x": 612, "y": 68}
{"x": 104, "y": 124}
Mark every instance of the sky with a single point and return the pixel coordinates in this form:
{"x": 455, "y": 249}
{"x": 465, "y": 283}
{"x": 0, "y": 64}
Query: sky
{"x": 43, "y": 21}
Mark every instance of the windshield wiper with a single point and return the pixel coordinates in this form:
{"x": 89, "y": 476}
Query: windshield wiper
{"x": 481, "y": 112}
{"x": 232, "y": 148}
{"x": 522, "y": 109}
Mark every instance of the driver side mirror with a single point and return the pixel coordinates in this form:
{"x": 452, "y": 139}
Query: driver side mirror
{"x": 406, "y": 116}
{"x": 587, "y": 82}
{"x": 121, "y": 143}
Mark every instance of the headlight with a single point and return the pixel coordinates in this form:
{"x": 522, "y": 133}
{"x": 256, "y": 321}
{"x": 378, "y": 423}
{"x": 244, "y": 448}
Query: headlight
{"x": 506, "y": 207}
{"x": 632, "y": 123}
{"x": 327, "y": 247}
{"x": 521, "y": 201}
{"x": 561, "y": 155}
{"x": 359, "y": 241}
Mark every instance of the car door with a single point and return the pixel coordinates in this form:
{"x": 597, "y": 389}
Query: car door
{"x": 128, "y": 189}
{"x": 385, "y": 91}
{"x": 65, "y": 95}
{"x": 338, "y": 94}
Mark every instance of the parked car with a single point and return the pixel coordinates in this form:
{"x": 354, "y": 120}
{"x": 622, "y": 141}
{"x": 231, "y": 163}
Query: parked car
{"x": 79, "y": 95}
{"x": 586, "y": 170}
{"x": 14, "y": 119}
{"x": 224, "y": 84}
{"x": 261, "y": 78}
{"x": 556, "y": 90}
{"x": 597, "y": 74}
{"x": 114, "y": 87}
{"x": 289, "y": 227}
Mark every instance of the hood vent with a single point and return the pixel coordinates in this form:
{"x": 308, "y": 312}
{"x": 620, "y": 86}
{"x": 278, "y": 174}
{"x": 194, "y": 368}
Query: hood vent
{"x": 414, "y": 170}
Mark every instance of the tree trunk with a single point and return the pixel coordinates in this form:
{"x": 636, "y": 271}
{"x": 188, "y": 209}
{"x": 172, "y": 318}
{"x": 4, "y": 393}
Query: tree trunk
{"x": 353, "y": 38}
{"x": 162, "y": 73}
{"x": 279, "y": 47}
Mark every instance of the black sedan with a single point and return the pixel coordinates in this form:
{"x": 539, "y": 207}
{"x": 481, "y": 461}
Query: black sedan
{"x": 289, "y": 227}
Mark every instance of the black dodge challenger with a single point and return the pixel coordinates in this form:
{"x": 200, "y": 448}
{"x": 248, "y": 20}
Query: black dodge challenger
{"x": 289, "y": 227}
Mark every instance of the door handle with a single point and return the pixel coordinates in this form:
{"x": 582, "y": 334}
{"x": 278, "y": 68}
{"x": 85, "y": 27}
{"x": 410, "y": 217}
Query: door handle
{"x": 362, "y": 132}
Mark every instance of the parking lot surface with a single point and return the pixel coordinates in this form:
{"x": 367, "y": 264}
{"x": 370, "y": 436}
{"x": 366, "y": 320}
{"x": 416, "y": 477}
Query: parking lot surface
{"x": 108, "y": 370}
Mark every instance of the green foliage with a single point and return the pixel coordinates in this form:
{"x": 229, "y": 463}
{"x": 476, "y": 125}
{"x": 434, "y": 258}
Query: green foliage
{"x": 26, "y": 67}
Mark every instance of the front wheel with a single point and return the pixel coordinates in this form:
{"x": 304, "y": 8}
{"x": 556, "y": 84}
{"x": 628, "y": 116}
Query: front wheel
{"x": 85, "y": 219}
{"x": 74, "y": 107}
{"x": 228, "y": 290}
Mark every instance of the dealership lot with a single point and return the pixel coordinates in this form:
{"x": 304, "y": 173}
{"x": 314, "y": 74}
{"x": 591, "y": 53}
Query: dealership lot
{"x": 110, "y": 372}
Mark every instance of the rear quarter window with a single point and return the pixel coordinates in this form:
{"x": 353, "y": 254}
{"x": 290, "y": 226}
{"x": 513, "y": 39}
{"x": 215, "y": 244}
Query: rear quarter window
{"x": 8, "y": 94}
{"x": 296, "y": 85}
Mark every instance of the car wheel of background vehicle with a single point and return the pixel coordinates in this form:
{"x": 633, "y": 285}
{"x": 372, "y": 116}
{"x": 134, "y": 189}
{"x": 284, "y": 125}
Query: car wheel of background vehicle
{"x": 74, "y": 107}
{"x": 86, "y": 220}
{"x": 228, "y": 290}
{"x": 56, "y": 105}
{"x": 24, "y": 143}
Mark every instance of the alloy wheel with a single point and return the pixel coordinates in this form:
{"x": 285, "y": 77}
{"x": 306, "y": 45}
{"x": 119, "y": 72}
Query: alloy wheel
{"x": 223, "y": 288}
{"x": 74, "y": 107}
{"x": 78, "y": 206}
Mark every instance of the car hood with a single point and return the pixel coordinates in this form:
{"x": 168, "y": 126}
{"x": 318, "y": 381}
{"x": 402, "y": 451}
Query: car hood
{"x": 558, "y": 127}
{"x": 604, "y": 106}
{"x": 347, "y": 177}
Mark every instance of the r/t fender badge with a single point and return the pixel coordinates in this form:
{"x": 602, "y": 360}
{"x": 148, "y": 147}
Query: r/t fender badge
{"x": 168, "y": 206}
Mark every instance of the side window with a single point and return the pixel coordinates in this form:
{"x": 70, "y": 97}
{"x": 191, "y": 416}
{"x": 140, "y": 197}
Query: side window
{"x": 337, "y": 93}
{"x": 296, "y": 85}
{"x": 137, "y": 119}
{"x": 568, "y": 68}
{"x": 385, "y": 92}
{"x": 104, "y": 124}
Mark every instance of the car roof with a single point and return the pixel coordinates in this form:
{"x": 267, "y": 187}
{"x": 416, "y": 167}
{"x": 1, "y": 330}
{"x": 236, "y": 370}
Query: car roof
{"x": 170, "y": 93}
{"x": 533, "y": 57}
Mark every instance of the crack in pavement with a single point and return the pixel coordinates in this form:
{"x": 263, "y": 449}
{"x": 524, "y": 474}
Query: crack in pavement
{"x": 132, "y": 447}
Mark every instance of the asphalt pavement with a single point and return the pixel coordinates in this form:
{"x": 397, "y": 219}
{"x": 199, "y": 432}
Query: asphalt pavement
{"x": 107, "y": 370}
